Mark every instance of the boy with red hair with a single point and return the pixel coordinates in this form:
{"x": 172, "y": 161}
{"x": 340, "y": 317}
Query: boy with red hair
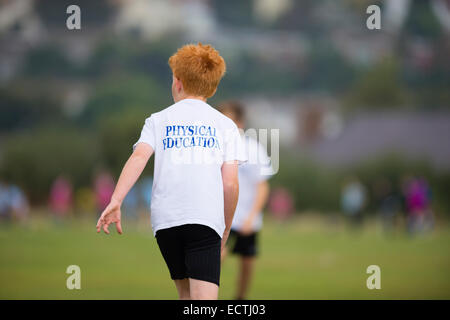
{"x": 195, "y": 189}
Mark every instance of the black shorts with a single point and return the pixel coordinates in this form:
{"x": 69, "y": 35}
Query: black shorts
{"x": 246, "y": 246}
{"x": 191, "y": 251}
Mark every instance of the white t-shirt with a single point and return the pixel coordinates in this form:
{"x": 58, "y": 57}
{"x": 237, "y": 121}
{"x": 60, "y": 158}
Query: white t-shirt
{"x": 191, "y": 141}
{"x": 251, "y": 173}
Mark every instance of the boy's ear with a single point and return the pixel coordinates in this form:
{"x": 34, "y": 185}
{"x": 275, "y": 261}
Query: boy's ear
{"x": 178, "y": 84}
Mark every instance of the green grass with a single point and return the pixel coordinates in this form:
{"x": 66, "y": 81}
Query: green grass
{"x": 301, "y": 259}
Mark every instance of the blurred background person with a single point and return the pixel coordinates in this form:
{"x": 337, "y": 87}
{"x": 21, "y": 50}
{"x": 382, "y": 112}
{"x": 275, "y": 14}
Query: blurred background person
{"x": 19, "y": 203}
{"x": 353, "y": 199}
{"x": 281, "y": 203}
{"x": 5, "y": 209}
{"x": 253, "y": 194}
{"x": 13, "y": 203}
{"x": 389, "y": 203}
{"x": 61, "y": 197}
{"x": 103, "y": 188}
{"x": 418, "y": 204}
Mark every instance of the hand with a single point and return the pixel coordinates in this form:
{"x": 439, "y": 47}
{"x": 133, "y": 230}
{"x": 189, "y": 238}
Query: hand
{"x": 111, "y": 214}
{"x": 247, "y": 227}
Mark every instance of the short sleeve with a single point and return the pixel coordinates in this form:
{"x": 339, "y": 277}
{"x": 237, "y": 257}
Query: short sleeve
{"x": 147, "y": 133}
{"x": 234, "y": 146}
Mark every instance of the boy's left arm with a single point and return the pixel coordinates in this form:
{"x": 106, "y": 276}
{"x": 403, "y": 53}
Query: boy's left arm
{"x": 130, "y": 173}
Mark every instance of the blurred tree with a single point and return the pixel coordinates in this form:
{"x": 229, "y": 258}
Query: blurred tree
{"x": 300, "y": 17}
{"x": 313, "y": 187}
{"x": 421, "y": 21}
{"x": 33, "y": 159}
{"x": 326, "y": 69}
{"x": 250, "y": 75}
{"x": 234, "y": 12}
{"x": 118, "y": 54}
{"x": 429, "y": 88}
{"x": 117, "y": 135}
{"x": 424, "y": 48}
{"x": 379, "y": 87}
{"x": 115, "y": 95}
{"x": 21, "y": 108}
{"x": 48, "y": 60}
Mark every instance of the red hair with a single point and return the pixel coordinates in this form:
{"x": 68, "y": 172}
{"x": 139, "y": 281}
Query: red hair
{"x": 199, "y": 67}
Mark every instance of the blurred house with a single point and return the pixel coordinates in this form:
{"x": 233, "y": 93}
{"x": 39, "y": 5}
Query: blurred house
{"x": 155, "y": 19}
{"x": 414, "y": 135}
{"x": 302, "y": 120}
{"x": 20, "y": 27}
{"x": 397, "y": 12}
{"x": 315, "y": 126}
{"x": 271, "y": 10}
{"x": 27, "y": 24}
{"x": 273, "y": 113}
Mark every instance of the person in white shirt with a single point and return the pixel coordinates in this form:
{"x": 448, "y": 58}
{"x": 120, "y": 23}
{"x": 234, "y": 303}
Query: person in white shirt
{"x": 253, "y": 193}
{"x": 195, "y": 187}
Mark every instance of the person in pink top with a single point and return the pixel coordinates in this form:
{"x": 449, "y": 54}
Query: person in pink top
{"x": 61, "y": 197}
{"x": 104, "y": 188}
{"x": 418, "y": 204}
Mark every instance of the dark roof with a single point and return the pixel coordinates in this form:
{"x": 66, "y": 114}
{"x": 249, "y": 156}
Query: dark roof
{"x": 416, "y": 135}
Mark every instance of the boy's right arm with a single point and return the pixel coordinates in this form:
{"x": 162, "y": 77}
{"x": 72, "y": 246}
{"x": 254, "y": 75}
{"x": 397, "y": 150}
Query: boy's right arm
{"x": 231, "y": 193}
{"x": 130, "y": 173}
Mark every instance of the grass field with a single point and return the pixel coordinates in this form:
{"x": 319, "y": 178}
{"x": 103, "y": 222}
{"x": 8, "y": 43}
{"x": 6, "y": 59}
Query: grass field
{"x": 301, "y": 259}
